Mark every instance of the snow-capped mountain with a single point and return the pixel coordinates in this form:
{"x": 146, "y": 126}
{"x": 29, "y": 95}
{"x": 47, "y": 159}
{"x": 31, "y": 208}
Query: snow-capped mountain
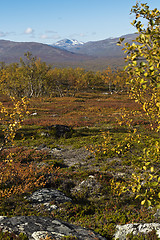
{"x": 67, "y": 44}
{"x": 102, "y": 48}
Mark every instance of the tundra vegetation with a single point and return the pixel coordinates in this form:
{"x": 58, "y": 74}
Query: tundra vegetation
{"x": 114, "y": 114}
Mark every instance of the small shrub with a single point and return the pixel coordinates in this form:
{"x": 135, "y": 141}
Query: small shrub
{"x": 17, "y": 178}
{"x": 24, "y": 155}
{"x": 11, "y": 236}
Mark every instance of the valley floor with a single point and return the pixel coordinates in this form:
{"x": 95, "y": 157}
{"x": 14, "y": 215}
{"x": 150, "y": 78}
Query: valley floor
{"x": 86, "y": 163}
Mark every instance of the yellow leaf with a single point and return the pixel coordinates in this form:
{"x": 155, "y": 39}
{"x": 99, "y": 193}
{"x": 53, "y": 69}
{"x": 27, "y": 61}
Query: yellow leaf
{"x": 149, "y": 202}
{"x": 137, "y": 196}
{"x": 138, "y": 187}
{"x": 158, "y": 104}
{"x": 143, "y": 202}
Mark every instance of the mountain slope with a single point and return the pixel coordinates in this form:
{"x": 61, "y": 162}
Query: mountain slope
{"x": 12, "y": 51}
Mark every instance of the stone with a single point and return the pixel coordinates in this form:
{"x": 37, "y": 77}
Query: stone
{"x": 45, "y": 195}
{"x": 56, "y": 152}
{"x": 39, "y": 235}
{"x": 135, "y": 228}
{"x": 38, "y": 228}
{"x": 60, "y": 130}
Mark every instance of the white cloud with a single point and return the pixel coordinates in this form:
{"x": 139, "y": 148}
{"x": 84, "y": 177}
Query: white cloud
{"x": 29, "y": 31}
{"x": 43, "y": 36}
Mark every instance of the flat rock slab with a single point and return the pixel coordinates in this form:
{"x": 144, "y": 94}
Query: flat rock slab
{"x": 123, "y": 230}
{"x": 37, "y": 228}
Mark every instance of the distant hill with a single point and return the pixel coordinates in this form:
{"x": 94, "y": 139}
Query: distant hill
{"x": 12, "y": 51}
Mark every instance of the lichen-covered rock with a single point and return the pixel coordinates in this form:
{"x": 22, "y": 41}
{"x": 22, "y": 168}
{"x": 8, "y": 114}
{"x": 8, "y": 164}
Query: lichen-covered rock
{"x": 37, "y": 228}
{"x": 47, "y": 195}
{"x": 123, "y": 230}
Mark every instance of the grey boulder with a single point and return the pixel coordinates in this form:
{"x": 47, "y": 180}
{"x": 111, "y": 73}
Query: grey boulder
{"x": 135, "y": 228}
{"x": 38, "y": 228}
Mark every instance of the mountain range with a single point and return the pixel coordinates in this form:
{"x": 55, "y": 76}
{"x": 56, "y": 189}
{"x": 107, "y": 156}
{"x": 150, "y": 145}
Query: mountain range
{"x": 67, "y": 52}
{"x": 102, "y": 48}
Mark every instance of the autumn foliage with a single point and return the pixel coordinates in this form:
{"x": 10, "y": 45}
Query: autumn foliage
{"x": 34, "y": 78}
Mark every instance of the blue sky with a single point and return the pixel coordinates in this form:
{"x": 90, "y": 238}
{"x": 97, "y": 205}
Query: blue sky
{"x": 48, "y": 21}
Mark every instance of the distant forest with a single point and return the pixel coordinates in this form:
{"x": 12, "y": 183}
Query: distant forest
{"x": 34, "y": 78}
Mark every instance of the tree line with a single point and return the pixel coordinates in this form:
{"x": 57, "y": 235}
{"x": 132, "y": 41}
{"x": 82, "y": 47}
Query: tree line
{"x": 33, "y": 78}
